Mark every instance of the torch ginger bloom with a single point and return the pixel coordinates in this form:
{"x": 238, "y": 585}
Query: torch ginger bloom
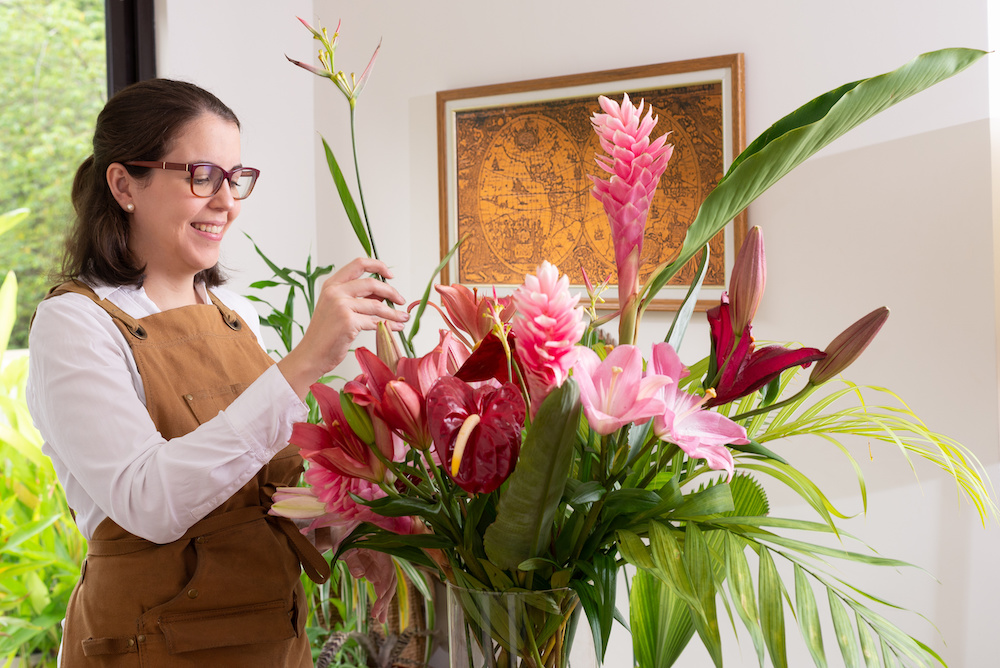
{"x": 635, "y": 165}
{"x": 547, "y": 325}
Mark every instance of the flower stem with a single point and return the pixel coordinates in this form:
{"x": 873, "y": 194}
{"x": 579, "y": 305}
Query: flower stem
{"x": 801, "y": 394}
{"x": 357, "y": 173}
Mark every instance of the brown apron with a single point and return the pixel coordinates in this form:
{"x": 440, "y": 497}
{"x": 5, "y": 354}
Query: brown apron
{"x": 227, "y": 593}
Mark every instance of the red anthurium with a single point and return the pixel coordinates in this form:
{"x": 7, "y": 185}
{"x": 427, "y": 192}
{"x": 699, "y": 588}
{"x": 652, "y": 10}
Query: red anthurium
{"x": 477, "y": 432}
{"x": 334, "y": 445}
{"x": 745, "y": 368}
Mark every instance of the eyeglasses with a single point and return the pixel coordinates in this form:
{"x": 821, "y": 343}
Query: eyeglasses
{"x": 206, "y": 178}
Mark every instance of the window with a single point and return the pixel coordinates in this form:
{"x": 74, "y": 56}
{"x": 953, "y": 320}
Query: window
{"x": 58, "y": 60}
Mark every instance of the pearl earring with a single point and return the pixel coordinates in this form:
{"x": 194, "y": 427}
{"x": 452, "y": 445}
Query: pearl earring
{"x": 130, "y": 207}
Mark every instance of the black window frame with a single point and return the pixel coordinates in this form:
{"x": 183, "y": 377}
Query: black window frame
{"x": 129, "y": 26}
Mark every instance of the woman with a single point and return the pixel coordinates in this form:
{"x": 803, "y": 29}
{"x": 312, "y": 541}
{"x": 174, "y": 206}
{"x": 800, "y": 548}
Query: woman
{"x": 166, "y": 421}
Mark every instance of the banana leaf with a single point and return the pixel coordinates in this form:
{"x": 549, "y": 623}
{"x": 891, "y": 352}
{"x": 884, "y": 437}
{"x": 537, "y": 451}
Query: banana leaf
{"x": 793, "y": 139}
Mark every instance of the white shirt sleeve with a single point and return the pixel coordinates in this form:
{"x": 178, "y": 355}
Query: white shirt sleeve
{"x": 86, "y": 398}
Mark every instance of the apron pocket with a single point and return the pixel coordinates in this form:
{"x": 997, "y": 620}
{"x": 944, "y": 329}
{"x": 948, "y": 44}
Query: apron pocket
{"x": 227, "y": 627}
{"x": 206, "y": 404}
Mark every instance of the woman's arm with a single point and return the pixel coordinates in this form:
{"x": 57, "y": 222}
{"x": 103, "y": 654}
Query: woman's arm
{"x": 85, "y": 398}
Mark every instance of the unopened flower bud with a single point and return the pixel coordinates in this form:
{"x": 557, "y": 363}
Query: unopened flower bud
{"x": 848, "y": 346}
{"x": 386, "y": 347}
{"x": 746, "y": 287}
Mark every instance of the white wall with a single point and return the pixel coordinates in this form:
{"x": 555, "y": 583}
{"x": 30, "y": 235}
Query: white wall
{"x": 897, "y": 213}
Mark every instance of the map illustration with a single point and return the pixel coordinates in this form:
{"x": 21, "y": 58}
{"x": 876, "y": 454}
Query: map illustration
{"x": 524, "y": 192}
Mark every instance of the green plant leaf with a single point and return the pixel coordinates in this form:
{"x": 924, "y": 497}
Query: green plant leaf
{"x": 808, "y": 616}
{"x": 741, "y": 589}
{"x": 415, "y": 327}
{"x": 699, "y": 565}
{"x": 350, "y": 208}
{"x": 772, "y": 612}
{"x": 12, "y": 218}
{"x": 796, "y": 137}
{"x": 848, "y": 642}
{"x": 678, "y": 327}
{"x": 528, "y": 505}
{"x": 660, "y": 621}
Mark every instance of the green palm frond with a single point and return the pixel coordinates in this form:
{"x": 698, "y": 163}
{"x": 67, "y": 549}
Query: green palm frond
{"x": 872, "y": 413}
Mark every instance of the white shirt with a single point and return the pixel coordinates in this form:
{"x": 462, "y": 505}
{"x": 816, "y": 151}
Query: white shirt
{"x": 87, "y": 400}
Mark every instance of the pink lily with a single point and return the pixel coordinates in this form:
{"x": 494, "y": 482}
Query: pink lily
{"x": 746, "y": 287}
{"x": 614, "y": 392}
{"x": 700, "y": 433}
{"x": 334, "y": 445}
{"x": 635, "y": 165}
{"x": 472, "y": 313}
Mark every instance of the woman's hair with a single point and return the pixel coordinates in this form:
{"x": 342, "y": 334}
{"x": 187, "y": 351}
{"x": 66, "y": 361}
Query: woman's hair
{"x": 140, "y": 122}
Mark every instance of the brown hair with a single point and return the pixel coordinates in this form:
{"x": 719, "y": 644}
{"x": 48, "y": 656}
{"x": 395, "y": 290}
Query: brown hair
{"x": 138, "y": 123}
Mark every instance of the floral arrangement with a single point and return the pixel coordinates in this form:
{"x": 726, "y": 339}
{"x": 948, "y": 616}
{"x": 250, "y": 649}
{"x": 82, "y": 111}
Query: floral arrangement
{"x": 527, "y": 453}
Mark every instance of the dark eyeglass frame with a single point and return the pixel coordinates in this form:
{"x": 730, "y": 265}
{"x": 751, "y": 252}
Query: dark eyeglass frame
{"x": 190, "y": 167}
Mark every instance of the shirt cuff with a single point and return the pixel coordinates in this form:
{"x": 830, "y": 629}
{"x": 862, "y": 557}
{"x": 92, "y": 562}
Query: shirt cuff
{"x": 264, "y": 413}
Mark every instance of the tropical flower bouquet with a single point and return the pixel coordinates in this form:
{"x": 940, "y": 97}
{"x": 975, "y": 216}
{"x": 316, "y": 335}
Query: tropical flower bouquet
{"x": 527, "y": 455}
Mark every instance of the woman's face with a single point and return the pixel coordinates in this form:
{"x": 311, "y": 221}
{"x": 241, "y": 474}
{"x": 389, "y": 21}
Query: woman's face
{"x": 173, "y": 232}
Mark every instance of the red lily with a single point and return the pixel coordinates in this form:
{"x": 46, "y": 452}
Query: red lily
{"x": 477, "y": 432}
{"x": 738, "y": 367}
{"x": 399, "y": 397}
{"x": 334, "y": 445}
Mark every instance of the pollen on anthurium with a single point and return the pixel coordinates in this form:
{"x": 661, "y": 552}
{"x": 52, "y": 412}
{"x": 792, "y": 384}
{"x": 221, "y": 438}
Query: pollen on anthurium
{"x": 547, "y": 324}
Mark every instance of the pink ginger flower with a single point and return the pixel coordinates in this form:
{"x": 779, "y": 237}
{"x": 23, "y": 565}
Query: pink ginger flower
{"x": 547, "y": 325}
{"x": 614, "y": 392}
{"x": 635, "y": 165}
{"x": 700, "y": 433}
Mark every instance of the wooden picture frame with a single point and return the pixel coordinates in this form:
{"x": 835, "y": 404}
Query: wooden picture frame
{"x": 514, "y": 160}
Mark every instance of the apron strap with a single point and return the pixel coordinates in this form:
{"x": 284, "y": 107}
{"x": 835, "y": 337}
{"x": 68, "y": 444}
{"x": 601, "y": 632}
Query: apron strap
{"x": 81, "y": 288}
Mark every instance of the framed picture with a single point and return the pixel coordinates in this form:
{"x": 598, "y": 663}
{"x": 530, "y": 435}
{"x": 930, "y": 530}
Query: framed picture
{"x": 515, "y": 159}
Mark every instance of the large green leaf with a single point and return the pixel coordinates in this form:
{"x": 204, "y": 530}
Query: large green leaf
{"x": 528, "y": 505}
{"x": 350, "y": 208}
{"x": 796, "y": 137}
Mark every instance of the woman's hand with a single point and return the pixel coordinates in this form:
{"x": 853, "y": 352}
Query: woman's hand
{"x": 349, "y": 303}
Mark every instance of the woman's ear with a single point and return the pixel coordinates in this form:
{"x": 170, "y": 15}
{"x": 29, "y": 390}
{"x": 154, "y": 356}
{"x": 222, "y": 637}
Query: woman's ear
{"x": 121, "y": 184}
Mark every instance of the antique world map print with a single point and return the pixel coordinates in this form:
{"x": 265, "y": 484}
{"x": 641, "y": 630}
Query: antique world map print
{"x": 524, "y": 192}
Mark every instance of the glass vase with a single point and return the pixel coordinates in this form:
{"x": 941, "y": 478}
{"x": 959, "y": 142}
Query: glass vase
{"x": 520, "y": 629}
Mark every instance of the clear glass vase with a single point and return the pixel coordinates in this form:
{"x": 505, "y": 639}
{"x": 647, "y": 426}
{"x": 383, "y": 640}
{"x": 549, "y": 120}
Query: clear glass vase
{"x": 519, "y": 629}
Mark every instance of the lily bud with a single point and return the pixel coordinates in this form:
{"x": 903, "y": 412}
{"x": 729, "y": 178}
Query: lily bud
{"x": 848, "y": 346}
{"x": 386, "y": 348}
{"x": 746, "y": 287}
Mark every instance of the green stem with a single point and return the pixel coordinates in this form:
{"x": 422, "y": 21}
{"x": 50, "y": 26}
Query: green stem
{"x": 357, "y": 173}
{"x": 801, "y": 394}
